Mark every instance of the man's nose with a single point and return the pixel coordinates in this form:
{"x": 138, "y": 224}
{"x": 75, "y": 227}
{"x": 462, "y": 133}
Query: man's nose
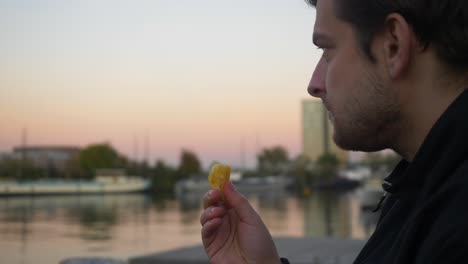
{"x": 316, "y": 86}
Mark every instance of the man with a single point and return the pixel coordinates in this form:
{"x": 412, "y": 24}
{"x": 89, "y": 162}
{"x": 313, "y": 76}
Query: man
{"x": 393, "y": 74}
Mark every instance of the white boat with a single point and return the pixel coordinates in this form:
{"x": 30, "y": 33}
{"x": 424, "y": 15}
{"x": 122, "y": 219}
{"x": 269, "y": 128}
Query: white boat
{"x": 102, "y": 184}
{"x": 191, "y": 185}
{"x": 263, "y": 184}
{"x": 244, "y": 185}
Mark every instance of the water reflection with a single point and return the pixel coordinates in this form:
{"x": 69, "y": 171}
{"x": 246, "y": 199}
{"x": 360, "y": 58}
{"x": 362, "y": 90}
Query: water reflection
{"x": 324, "y": 214}
{"x": 130, "y": 225}
{"x": 190, "y": 201}
{"x": 332, "y": 214}
{"x": 97, "y": 215}
{"x": 272, "y": 200}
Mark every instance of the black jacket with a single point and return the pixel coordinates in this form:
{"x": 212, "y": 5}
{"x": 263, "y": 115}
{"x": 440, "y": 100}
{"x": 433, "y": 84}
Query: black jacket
{"x": 424, "y": 217}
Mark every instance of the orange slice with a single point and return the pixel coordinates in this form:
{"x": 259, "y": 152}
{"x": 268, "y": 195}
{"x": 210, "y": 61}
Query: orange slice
{"x": 219, "y": 176}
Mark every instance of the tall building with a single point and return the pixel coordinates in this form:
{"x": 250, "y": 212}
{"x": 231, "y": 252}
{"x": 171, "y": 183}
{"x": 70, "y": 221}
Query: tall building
{"x": 317, "y": 132}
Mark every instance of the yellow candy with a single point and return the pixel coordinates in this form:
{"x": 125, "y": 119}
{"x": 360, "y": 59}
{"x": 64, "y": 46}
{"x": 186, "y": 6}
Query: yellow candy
{"x": 219, "y": 176}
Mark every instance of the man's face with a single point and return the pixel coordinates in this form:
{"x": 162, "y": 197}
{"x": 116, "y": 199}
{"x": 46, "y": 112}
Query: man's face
{"x": 356, "y": 92}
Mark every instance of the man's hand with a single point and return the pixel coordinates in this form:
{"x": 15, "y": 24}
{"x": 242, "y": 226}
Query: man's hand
{"x": 232, "y": 232}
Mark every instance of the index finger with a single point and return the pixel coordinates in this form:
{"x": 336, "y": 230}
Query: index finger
{"x": 212, "y": 198}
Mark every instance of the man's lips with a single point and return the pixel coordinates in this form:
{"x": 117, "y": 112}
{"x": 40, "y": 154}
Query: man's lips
{"x": 326, "y": 105}
{"x": 331, "y": 117}
{"x": 329, "y": 112}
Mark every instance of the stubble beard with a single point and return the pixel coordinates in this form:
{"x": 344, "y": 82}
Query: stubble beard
{"x": 370, "y": 119}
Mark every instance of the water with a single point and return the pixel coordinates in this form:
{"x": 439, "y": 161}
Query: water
{"x": 44, "y": 230}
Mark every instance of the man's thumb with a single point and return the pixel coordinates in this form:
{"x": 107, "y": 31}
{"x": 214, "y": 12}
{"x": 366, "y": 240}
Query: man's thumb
{"x": 239, "y": 203}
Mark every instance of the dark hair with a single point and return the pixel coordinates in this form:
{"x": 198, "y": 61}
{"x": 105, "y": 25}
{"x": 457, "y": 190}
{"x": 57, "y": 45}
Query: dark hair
{"x": 442, "y": 24}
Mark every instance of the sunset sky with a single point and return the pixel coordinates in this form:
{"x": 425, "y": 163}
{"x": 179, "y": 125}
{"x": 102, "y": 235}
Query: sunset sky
{"x": 210, "y": 76}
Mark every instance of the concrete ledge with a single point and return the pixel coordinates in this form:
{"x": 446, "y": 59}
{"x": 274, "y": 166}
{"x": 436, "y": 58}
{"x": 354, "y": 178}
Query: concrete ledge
{"x": 90, "y": 260}
{"x": 297, "y": 250}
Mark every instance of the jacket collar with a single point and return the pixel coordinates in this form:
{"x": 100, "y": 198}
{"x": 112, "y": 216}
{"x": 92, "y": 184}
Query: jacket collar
{"x": 444, "y": 148}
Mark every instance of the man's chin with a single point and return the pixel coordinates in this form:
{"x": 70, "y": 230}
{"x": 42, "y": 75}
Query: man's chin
{"x": 331, "y": 117}
{"x": 356, "y": 143}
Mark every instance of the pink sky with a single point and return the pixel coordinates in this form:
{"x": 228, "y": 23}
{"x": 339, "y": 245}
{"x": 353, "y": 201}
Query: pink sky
{"x": 204, "y": 77}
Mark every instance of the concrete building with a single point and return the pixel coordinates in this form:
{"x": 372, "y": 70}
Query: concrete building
{"x": 317, "y": 132}
{"x": 47, "y": 156}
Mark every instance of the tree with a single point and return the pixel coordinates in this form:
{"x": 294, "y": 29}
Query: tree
{"x": 73, "y": 168}
{"x": 327, "y": 165}
{"x": 163, "y": 177}
{"x": 301, "y": 169}
{"x": 21, "y": 169}
{"x": 189, "y": 164}
{"x": 328, "y": 159}
{"x": 99, "y": 156}
{"x": 273, "y": 161}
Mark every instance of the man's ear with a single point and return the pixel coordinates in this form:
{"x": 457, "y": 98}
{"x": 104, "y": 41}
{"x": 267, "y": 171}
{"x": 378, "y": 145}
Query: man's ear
{"x": 397, "y": 45}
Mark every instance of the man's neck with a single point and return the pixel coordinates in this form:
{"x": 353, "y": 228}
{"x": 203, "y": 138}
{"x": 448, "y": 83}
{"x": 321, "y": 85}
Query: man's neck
{"x": 421, "y": 108}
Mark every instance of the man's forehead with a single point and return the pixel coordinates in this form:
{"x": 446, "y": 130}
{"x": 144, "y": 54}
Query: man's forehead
{"x": 327, "y": 23}
{"x": 324, "y": 16}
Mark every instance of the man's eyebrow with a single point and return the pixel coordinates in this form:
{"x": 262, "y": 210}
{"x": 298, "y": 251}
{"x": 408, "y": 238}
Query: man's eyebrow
{"x": 318, "y": 37}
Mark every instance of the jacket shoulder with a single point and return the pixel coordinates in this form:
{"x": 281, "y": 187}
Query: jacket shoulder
{"x": 445, "y": 222}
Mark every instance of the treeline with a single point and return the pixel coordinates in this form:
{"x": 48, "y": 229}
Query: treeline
{"x": 100, "y": 156}
{"x": 270, "y": 162}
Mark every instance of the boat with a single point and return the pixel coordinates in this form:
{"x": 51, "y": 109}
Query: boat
{"x": 117, "y": 183}
{"x": 199, "y": 185}
{"x": 196, "y": 185}
{"x": 263, "y": 184}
